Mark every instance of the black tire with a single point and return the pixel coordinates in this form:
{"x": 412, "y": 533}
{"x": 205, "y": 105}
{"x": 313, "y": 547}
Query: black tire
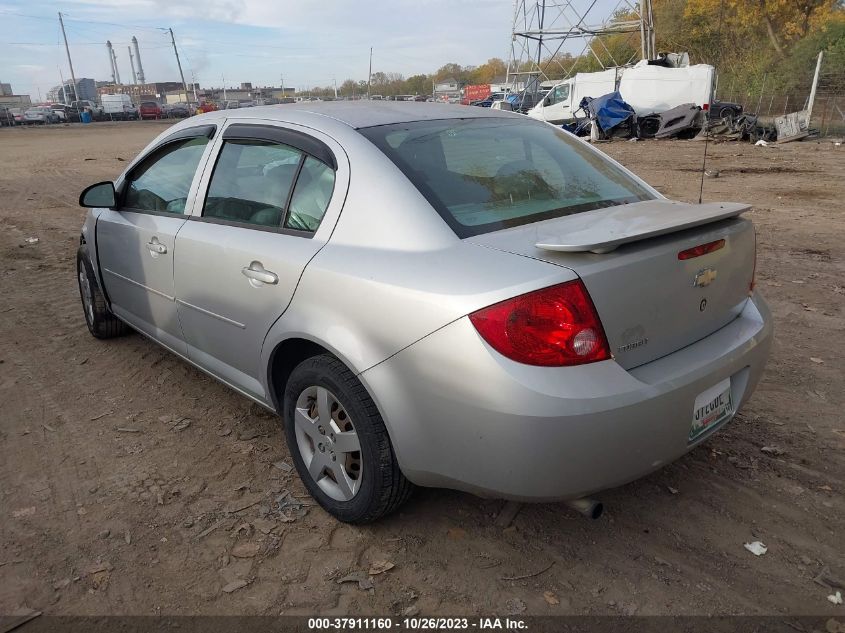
{"x": 383, "y": 487}
{"x": 100, "y": 321}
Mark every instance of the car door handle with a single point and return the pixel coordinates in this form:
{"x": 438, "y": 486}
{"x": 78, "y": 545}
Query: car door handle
{"x": 156, "y": 247}
{"x": 255, "y": 272}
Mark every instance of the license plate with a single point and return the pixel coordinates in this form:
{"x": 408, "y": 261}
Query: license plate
{"x": 712, "y": 407}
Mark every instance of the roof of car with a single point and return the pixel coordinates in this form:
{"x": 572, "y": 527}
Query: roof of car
{"x": 359, "y": 114}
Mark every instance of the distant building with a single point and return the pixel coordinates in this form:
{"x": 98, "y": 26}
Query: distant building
{"x": 279, "y": 93}
{"x": 179, "y": 96}
{"x": 84, "y": 89}
{"x": 15, "y": 101}
{"x": 500, "y": 84}
{"x": 142, "y": 92}
{"x": 5, "y": 90}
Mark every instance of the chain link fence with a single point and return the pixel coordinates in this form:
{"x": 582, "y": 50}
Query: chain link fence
{"x": 762, "y": 96}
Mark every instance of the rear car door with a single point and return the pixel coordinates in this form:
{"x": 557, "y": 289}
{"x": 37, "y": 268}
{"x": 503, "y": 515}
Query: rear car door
{"x": 136, "y": 241}
{"x": 269, "y": 206}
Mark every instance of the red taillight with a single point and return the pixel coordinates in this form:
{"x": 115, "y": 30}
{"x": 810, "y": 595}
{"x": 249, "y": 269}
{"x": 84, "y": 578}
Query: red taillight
{"x": 552, "y": 327}
{"x": 701, "y": 249}
{"x": 705, "y": 106}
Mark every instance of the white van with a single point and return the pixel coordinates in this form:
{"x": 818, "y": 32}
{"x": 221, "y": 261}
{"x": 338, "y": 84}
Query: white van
{"x": 647, "y": 88}
{"x": 119, "y": 106}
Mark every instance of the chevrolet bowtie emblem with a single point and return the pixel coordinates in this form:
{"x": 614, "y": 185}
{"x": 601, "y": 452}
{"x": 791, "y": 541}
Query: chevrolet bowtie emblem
{"x": 704, "y": 277}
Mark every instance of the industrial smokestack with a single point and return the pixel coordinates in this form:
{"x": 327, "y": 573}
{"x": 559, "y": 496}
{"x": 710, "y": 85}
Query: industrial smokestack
{"x": 132, "y": 63}
{"x": 111, "y": 61}
{"x": 116, "y": 71}
{"x": 138, "y": 59}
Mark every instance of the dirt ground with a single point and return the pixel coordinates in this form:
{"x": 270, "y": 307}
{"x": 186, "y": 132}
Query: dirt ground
{"x": 111, "y": 503}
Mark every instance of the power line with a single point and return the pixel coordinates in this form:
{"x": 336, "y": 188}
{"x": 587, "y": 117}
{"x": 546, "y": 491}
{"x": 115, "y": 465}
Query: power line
{"x": 40, "y": 17}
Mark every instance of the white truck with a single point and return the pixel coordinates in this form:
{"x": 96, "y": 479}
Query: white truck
{"x": 647, "y": 88}
{"x": 119, "y": 106}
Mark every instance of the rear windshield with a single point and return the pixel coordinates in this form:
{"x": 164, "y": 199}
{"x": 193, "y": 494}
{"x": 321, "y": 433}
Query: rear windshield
{"x": 149, "y": 104}
{"x": 486, "y": 174}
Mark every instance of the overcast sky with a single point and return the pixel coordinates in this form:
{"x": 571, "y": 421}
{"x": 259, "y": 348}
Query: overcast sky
{"x": 307, "y": 42}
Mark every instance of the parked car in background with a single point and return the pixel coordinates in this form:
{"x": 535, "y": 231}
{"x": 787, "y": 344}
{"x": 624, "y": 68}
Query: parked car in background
{"x": 58, "y": 109}
{"x": 18, "y": 113}
{"x": 150, "y": 110}
{"x": 723, "y": 109}
{"x": 178, "y": 111}
{"x": 7, "y": 119}
{"x": 524, "y": 101}
{"x": 95, "y": 109}
{"x": 41, "y": 114}
{"x": 488, "y": 100}
{"x": 68, "y": 114}
{"x": 540, "y": 324}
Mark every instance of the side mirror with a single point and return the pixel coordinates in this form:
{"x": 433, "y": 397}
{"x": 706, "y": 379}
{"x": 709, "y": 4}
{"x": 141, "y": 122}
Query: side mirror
{"x": 100, "y": 195}
{"x": 547, "y": 101}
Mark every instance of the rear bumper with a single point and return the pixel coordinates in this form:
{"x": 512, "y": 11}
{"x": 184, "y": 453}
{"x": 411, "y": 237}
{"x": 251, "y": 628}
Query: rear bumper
{"x": 462, "y": 416}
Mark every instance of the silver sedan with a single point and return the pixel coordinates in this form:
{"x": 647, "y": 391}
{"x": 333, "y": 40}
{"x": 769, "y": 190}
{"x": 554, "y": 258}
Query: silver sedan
{"x": 432, "y": 295}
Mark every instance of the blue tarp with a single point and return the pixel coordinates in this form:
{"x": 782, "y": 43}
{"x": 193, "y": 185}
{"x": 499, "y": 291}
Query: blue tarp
{"x": 610, "y": 110}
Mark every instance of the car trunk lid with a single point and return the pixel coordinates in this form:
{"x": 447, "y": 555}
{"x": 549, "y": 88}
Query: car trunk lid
{"x": 651, "y": 302}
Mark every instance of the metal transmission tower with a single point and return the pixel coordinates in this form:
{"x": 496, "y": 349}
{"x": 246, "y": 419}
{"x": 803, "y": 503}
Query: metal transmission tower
{"x": 544, "y": 30}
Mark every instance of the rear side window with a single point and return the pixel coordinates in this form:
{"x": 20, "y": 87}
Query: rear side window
{"x": 162, "y": 181}
{"x": 311, "y": 196}
{"x": 486, "y": 174}
{"x": 252, "y": 182}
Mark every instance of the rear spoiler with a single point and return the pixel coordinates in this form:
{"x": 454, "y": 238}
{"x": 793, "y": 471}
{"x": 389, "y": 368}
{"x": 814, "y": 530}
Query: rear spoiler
{"x": 603, "y": 230}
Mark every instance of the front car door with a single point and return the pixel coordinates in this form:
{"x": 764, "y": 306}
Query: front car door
{"x": 270, "y": 203}
{"x": 558, "y": 108}
{"x": 136, "y": 241}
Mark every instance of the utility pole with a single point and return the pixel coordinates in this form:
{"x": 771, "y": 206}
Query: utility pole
{"x": 178, "y": 63}
{"x": 64, "y": 88}
{"x": 334, "y": 79}
{"x": 370, "y": 74}
{"x": 224, "y": 87}
{"x": 813, "y": 89}
{"x": 194, "y": 84}
{"x": 69, "y": 62}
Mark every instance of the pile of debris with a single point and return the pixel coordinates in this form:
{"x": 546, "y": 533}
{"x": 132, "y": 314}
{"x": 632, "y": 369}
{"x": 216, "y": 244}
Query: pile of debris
{"x": 614, "y": 118}
{"x": 744, "y": 127}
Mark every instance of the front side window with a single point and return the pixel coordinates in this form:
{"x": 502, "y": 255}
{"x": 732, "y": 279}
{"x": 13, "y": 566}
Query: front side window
{"x": 560, "y": 93}
{"x": 486, "y": 174}
{"x": 252, "y": 182}
{"x": 162, "y": 181}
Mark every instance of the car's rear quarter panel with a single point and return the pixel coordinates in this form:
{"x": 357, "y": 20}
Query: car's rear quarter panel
{"x": 393, "y": 271}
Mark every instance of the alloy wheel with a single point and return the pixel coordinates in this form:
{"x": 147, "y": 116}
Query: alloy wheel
{"x": 328, "y": 443}
{"x": 87, "y": 295}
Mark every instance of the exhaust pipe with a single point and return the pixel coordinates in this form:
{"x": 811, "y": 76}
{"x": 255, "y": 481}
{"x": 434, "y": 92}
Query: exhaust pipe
{"x": 590, "y": 508}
